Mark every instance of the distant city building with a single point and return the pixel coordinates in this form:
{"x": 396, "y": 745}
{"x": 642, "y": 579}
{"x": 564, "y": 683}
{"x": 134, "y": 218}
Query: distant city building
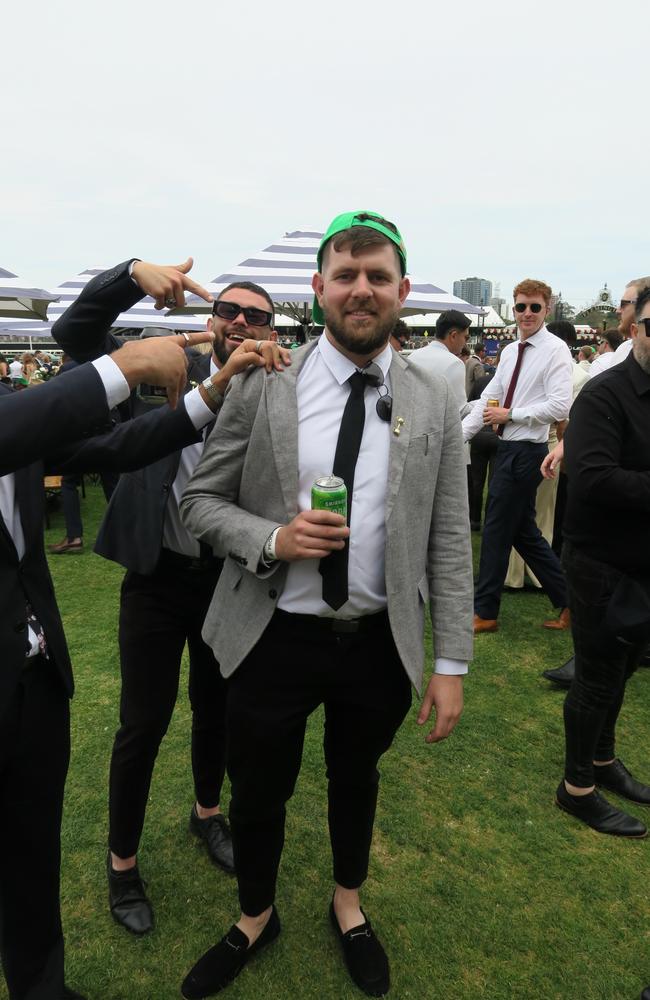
{"x": 478, "y": 291}
{"x": 499, "y": 306}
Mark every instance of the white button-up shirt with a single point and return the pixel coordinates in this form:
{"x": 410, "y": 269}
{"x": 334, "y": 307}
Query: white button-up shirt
{"x": 543, "y": 393}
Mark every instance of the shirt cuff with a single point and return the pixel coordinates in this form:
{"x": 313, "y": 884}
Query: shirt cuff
{"x": 116, "y": 386}
{"x": 450, "y": 667}
{"x": 198, "y": 410}
{"x": 517, "y": 416}
{"x": 135, "y": 261}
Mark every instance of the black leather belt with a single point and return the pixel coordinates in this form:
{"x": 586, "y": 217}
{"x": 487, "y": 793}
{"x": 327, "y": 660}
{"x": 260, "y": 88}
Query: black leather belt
{"x": 368, "y": 623}
{"x": 176, "y": 560}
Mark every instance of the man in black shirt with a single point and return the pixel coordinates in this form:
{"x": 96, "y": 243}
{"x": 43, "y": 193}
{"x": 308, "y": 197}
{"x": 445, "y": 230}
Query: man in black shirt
{"x": 607, "y": 458}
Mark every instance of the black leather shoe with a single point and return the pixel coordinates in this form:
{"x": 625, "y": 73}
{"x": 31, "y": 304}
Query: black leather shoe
{"x": 128, "y": 901}
{"x": 223, "y": 963}
{"x": 215, "y": 832}
{"x": 562, "y": 676}
{"x": 69, "y": 994}
{"x": 599, "y": 814}
{"x": 364, "y": 956}
{"x": 646, "y": 993}
{"x": 615, "y": 777}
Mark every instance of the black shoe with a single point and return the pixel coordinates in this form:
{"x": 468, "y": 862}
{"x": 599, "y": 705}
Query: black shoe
{"x": 69, "y": 994}
{"x": 364, "y": 956}
{"x": 562, "y": 676}
{"x": 218, "y": 840}
{"x": 223, "y": 962}
{"x": 646, "y": 993}
{"x": 128, "y": 901}
{"x": 615, "y": 777}
{"x": 599, "y": 814}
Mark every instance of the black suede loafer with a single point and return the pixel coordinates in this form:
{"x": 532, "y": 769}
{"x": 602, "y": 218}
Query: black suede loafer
{"x": 562, "y": 676}
{"x": 599, "y": 814}
{"x": 215, "y": 833}
{"x": 128, "y": 900}
{"x": 223, "y": 962}
{"x": 364, "y": 956}
{"x": 615, "y": 777}
{"x": 69, "y": 994}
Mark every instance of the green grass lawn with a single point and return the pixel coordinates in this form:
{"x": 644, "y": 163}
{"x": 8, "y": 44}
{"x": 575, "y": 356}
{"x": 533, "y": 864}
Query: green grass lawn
{"x": 479, "y": 886}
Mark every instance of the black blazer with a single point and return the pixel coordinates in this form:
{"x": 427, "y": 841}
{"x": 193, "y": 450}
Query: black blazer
{"x": 51, "y": 420}
{"x": 132, "y": 530}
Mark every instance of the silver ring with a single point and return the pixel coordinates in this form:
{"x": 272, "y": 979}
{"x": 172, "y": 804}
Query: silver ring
{"x": 258, "y": 346}
{"x": 186, "y": 335}
{"x": 170, "y": 303}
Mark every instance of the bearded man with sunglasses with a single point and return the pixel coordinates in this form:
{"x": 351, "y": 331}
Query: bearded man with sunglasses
{"x": 331, "y": 612}
{"x": 533, "y": 385}
{"x": 168, "y": 586}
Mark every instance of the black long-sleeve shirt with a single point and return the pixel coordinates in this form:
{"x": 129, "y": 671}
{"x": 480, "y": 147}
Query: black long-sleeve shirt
{"x": 607, "y": 461}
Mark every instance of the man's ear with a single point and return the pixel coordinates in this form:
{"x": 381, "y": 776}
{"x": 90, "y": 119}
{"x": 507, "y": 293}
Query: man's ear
{"x": 317, "y": 285}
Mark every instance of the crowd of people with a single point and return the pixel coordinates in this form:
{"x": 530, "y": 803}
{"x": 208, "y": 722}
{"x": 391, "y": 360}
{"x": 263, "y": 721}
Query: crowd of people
{"x": 212, "y": 519}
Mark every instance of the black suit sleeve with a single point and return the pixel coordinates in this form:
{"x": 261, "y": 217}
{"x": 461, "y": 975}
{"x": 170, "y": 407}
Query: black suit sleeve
{"x": 130, "y": 445}
{"x": 35, "y": 421}
{"x": 83, "y": 331}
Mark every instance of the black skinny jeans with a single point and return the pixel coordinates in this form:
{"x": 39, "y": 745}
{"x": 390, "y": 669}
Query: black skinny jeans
{"x": 603, "y": 666}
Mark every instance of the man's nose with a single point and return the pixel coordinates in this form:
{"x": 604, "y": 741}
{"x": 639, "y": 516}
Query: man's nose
{"x": 362, "y": 287}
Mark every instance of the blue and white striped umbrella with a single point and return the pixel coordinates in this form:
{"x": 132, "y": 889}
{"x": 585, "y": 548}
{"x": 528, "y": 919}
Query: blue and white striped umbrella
{"x": 21, "y": 300}
{"x": 142, "y": 314}
{"x": 285, "y": 269}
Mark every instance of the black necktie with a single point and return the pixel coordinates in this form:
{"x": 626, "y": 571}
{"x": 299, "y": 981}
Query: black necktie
{"x": 334, "y": 567}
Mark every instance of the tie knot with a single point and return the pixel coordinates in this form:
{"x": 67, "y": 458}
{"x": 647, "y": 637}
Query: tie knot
{"x": 358, "y": 382}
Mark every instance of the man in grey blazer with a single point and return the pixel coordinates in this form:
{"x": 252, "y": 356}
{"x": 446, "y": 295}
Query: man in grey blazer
{"x": 329, "y": 612}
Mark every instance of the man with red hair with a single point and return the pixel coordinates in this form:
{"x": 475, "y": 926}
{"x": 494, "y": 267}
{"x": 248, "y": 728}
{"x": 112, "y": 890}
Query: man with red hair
{"x": 533, "y": 386}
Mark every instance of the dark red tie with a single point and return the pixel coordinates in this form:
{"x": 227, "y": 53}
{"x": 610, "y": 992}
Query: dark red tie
{"x": 522, "y": 345}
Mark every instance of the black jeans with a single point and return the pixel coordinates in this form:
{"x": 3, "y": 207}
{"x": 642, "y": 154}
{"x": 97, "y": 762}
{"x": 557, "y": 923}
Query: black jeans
{"x": 34, "y": 755}
{"x": 158, "y": 614}
{"x": 510, "y": 521}
{"x": 366, "y": 693}
{"x": 603, "y": 666}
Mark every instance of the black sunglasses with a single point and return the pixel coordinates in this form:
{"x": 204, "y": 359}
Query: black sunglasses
{"x": 535, "y": 307}
{"x": 254, "y": 317}
{"x": 627, "y": 302}
{"x": 646, "y": 324}
{"x": 375, "y": 377}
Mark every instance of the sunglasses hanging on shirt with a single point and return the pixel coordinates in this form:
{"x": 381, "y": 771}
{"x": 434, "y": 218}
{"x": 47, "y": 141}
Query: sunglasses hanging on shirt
{"x": 375, "y": 378}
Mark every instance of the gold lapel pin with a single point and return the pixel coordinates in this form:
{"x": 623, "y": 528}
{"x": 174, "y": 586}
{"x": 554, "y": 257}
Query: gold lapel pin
{"x": 398, "y": 426}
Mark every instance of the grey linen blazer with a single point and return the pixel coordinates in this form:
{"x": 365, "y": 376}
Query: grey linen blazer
{"x": 246, "y": 484}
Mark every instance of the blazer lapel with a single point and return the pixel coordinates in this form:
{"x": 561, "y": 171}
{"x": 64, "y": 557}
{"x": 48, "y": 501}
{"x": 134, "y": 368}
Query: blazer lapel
{"x": 282, "y": 410}
{"x": 400, "y": 426}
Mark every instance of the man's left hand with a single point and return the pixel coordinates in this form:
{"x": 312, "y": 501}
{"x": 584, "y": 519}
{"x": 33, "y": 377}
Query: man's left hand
{"x": 445, "y": 694}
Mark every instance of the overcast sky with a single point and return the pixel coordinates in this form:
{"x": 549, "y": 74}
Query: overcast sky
{"x": 506, "y": 139}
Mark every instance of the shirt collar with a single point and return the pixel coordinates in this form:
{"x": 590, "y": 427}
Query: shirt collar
{"x": 537, "y": 338}
{"x": 341, "y": 367}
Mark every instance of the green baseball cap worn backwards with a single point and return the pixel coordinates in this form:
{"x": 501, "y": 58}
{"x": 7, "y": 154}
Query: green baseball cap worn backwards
{"x": 371, "y": 220}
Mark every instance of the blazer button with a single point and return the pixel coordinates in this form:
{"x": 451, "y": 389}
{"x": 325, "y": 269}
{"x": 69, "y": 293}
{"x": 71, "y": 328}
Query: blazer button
{"x": 20, "y": 627}
{"x": 165, "y": 487}
{"x": 273, "y": 594}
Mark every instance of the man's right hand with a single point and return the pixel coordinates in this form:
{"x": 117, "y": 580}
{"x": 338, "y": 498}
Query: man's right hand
{"x": 166, "y": 282}
{"x": 159, "y": 361}
{"x": 312, "y": 534}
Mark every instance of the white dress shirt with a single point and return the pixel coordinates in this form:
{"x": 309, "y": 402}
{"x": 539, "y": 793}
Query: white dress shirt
{"x": 610, "y": 358}
{"x": 543, "y": 393}
{"x": 321, "y": 395}
{"x": 175, "y": 535}
{"x": 436, "y": 358}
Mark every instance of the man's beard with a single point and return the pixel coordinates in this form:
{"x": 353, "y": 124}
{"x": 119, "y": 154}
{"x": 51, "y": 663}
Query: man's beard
{"x": 362, "y": 342}
{"x": 221, "y": 349}
{"x": 641, "y": 352}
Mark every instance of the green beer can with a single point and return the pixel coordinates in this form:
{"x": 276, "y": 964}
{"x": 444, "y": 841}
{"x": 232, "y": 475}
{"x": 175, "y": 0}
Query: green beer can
{"x": 330, "y": 493}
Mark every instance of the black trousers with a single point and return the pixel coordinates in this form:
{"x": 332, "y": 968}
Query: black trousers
{"x": 510, "y": 521}
{"x": 294, "y": 668}
{"x": 482, "y": 450}
{"x": 34, "y": 756}
{"x": 159, "y": 613}
{"x": 603, "y": 666}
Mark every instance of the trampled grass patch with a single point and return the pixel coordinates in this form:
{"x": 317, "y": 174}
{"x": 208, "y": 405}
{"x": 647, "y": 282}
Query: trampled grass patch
{"x": 479, "y": 886}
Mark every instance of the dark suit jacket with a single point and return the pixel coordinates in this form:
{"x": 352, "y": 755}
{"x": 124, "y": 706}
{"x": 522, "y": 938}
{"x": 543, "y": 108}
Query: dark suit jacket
{"x": 51, "y": 420}
{"x": 132, "y": 530}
